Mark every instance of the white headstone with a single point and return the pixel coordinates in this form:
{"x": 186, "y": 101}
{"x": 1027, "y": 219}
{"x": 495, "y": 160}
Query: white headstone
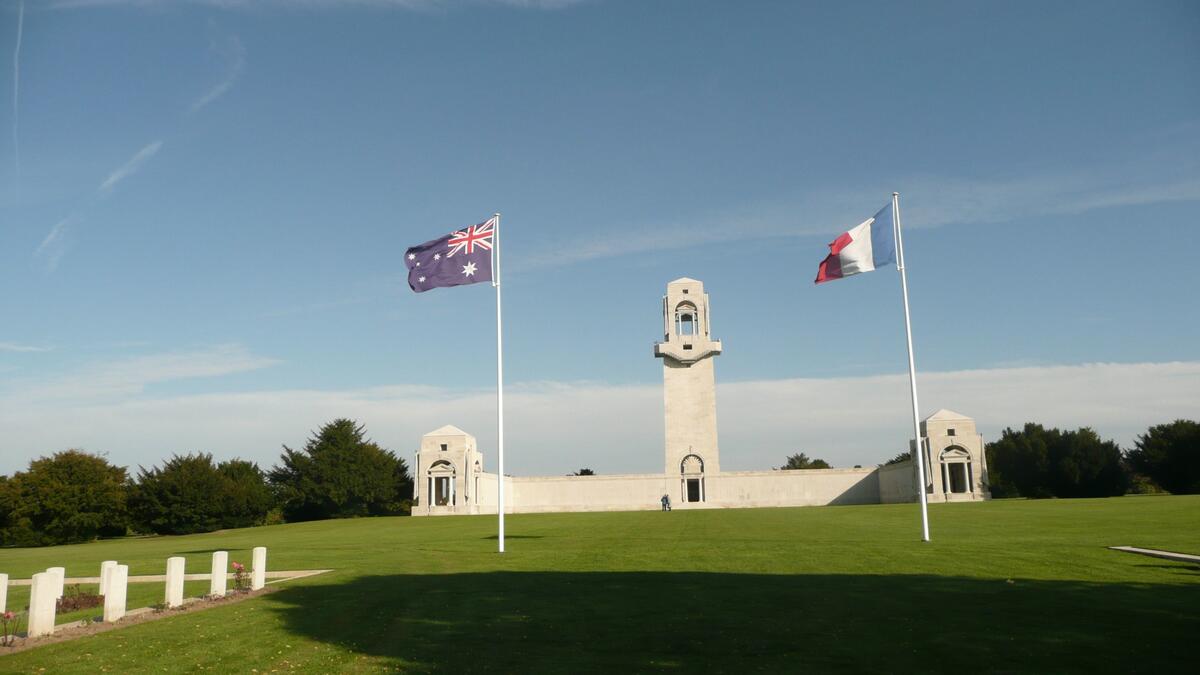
{"x": 114, "y": 599}
{"x": 3, "y": 592}
{"x": 42, "y": 604}
{"x": 220, "y": 567}
{"x": 60, "y": 577}
{"x": 174, "y": 594}
{"x": 105, "y": 568}
{"x": 258, "y": 577}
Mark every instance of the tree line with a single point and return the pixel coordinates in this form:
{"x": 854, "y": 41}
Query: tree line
{"x": 1038, "y": 462}
{"x": 75, "y": 496}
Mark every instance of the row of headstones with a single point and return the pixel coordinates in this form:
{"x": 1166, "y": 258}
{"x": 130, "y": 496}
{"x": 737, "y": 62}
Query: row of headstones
{"x": 47, "y": 587}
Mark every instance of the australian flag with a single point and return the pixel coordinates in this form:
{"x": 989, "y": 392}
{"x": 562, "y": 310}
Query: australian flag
{"x": 461, "y": 257}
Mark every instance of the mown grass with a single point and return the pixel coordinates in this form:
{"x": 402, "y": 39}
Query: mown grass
{"x": 1005, "y": 586}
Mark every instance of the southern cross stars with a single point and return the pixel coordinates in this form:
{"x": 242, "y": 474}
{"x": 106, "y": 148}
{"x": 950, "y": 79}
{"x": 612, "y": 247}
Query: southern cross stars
{"x": 434, "y": 265}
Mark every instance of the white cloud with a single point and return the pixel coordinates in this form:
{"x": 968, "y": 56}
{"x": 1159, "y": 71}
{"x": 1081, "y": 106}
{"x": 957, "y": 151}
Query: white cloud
{"x": 130, "y": 167}
{"x": 124, "y": 378}
{"x": 555, "y": 427}
{"x": 866, "y": 420}
{"x": 14, "y": 347}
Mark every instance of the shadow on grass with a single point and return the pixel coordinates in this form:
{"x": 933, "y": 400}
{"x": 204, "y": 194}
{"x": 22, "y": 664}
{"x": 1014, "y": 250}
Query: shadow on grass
{"x": 1177, "y": 567}
{"x": 711, "y": 622}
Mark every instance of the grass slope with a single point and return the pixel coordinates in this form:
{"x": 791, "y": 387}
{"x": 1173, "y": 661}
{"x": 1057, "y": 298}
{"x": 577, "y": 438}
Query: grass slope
{"x": 1005, "y": 586}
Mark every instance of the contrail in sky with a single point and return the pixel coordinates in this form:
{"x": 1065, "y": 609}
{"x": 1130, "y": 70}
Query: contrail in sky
{"x": 235, "y": 53}
{"x": 128, "y": 168}
{"x": 17, "y": 87}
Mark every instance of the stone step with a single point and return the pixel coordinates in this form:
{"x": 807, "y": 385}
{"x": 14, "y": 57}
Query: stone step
{"x": 1155, "y": 553}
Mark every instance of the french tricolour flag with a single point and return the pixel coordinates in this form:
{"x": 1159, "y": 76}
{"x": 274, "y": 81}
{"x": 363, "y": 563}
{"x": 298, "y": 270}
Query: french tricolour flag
{"x": 869, "y": 245}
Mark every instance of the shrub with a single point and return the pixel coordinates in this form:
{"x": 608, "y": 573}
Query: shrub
{"x": 182, "y": 497}
{"x": 241, "y": 579}
{"x": 10, "y": 626}
{"x": 76, "y": 598}
{"x": 192, "y": 494}
{"x": 341, "y": 474}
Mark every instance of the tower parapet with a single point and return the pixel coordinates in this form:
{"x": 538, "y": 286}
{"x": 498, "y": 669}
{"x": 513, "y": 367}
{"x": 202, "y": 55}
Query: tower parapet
{"x": 686, "y": 335}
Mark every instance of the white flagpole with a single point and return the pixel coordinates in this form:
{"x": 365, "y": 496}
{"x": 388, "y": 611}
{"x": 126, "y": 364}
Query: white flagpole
{"x": 912, "y": 370}
{"x": 499, "y": 374}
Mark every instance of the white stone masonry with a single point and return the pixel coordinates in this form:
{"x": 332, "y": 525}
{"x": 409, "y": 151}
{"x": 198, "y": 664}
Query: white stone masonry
{"x": 258, "y": 577}
{"x": 114, "y": 599}
{"x": 105, "y": 568}
{"x": 220, "y": 564}
{"x": 60, "y": 575}
{"x": 174, "y": 593}
{"x": 42, "y": 604}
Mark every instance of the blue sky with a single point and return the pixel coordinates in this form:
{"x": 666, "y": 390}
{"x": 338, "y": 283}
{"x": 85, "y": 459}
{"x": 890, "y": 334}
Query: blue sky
{"x": 204, "y": 206}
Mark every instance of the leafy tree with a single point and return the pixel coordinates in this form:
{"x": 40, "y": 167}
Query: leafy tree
{"x": 584, "y": 472}
{"x": 69, "y": 497}
{"x": 7, "y": 503}
{"x": 191, "y": 493}
{"x": 1141, "y": 484}
{"x": 247, "y": 495}
{"x": 902, "y": 457}
{"x": 801, "y": 461}
{"x": 340, "y": 474}
{"x": 1170, "y": 455}
{"x": 1040, "y": 462}
{"x": 183, "y": 497}
{"x": 1085, "y": 465}
{"x": 1019, "y": 463}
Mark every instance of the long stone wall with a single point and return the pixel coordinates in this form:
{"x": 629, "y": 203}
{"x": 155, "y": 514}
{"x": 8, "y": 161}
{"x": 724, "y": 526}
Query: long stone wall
{"x": 897, "y": 483}
{"x": 728, "y": 489}
{"x": 804, "y": 487}
{"x": 546, "y": 494}
{"x": 486, "y": 493}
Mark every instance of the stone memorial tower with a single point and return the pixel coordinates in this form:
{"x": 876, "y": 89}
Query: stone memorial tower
{"x": 689, "y": 387}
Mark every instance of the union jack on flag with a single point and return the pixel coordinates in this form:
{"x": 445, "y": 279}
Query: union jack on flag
{"x": 476, "y": 235}
{"x": 459, "y": 258}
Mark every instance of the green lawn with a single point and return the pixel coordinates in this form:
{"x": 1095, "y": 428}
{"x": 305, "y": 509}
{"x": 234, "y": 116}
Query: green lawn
{"x": 1005, "y": 586}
